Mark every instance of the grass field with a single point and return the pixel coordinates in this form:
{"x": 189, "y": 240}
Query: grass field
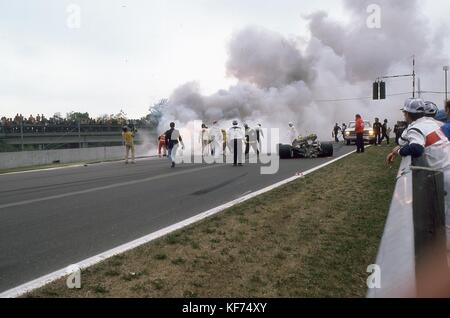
{"x": 314, "y": 237}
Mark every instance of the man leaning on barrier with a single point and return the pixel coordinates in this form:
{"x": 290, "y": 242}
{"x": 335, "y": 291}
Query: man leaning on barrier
{"x": 424, "y": 137}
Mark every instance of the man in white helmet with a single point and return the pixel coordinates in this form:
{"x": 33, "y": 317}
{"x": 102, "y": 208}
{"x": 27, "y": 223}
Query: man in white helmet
{"x": 173, "y": 139}
{"x": 204, "y": 139}
{"x": 235, "y": 137}
{"x": 424, "y": 137}
{"x": 292, "y": 133}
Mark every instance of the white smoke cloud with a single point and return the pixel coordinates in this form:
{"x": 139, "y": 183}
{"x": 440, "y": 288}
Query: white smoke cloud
{"x": 267, "y": 59}
{"x": 370, "y": 52}
{"x": 279, "y": 83}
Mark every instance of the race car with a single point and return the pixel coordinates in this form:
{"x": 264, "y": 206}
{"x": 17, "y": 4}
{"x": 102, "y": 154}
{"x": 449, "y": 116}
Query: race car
{"x": 305, "y": 147}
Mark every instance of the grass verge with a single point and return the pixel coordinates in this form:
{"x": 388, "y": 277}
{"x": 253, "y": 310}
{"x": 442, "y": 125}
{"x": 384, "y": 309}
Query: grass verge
{"x": 314, "y": 237}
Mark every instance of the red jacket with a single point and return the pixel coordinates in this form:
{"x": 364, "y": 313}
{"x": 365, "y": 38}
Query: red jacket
{"x": 359, "y": 126}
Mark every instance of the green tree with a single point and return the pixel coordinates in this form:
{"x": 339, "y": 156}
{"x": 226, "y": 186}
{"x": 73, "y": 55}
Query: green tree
{"x": 78, "y": 117}
{"x": 156, "y": 113}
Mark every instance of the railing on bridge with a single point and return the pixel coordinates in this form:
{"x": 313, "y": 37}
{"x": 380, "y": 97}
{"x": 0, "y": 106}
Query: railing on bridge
{"x": 37, "y": 136}
{"x": 58, "y": 128}
{"x": 414, "y": 234}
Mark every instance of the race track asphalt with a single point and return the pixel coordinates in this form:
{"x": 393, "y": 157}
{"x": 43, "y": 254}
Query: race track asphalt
{"x": 51, "y": 219}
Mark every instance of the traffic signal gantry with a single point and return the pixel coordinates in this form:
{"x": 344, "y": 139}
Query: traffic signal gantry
{"x": 379, "y": 86}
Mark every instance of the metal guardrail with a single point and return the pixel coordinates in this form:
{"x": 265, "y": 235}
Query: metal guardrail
{"x": 414, "y": 231}
{"x": 430, "y": 242}
{"x": 59, "y": 128}
{"x": 83, "y": 134}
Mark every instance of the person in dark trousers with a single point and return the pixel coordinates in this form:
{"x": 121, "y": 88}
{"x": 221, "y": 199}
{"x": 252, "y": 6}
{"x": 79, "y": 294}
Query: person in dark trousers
{"x": 173, "y": 138}
{"x": 377, "y": 130}
{"x": 336, "y": 131}
{"x": 251, "y": 141}
{"x": 396, "y": 132}
{"x": 343, "y": 129}
{"x": 236, "y": 135}
{"x": 259, "y": 136}
{"x": 359, "y": 131}
{"x": 399, "y": 128}
{"x": 385, "y": 132}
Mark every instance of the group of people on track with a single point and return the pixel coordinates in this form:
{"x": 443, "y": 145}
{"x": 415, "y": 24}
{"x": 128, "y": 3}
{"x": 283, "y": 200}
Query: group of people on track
{"x": 215, "y": 141}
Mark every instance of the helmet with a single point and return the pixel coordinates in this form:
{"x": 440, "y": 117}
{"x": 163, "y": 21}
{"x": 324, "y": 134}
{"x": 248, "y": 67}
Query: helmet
{"x": 430, "y": 109}
{"x": 291, "y": 124}
{"x": 235, "y": 122}
{"x": 414, "y": 106}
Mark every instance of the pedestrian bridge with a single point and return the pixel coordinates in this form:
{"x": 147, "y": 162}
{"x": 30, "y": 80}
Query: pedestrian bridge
{"x": 72, "y": 136}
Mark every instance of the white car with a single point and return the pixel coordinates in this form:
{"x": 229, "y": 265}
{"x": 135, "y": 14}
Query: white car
{"x": 369, "y": 134}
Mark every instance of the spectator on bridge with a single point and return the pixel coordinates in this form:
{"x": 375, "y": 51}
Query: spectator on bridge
{"x": 30, "y": 120}
{"x": 128, "y": 139}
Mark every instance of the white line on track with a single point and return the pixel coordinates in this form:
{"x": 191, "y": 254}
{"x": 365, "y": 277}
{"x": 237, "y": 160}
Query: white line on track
{"x": 110, "y": 186}
{"x": 47, "y": 279}
{"x": 76, "y": 165}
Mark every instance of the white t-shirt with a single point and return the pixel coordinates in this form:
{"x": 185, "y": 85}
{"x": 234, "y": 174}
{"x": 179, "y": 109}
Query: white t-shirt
{"x": 204, "y": 135}
{"x": 292, "y": 134}
{"x": 216, "y": 134}
{"x": 235, "y": 132}
{"x": 427, "y": 133}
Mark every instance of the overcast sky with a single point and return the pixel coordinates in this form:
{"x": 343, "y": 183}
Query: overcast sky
{"x": 128, "y": 54}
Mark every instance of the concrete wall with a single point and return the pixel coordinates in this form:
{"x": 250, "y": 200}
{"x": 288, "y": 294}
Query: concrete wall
{"x": 32, "y": 158}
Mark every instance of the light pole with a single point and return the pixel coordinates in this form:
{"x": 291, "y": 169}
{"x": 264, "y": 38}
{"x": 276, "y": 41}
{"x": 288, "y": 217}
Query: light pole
{"x": 446, "y": 68}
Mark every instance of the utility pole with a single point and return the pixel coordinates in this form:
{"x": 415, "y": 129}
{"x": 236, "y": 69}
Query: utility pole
{"x": 414, "y": 76}
{"x": 380, "y": 85}
{"x": 79, "y": 134}
{"x": 419, "y": 92}
{"x": 21, "y": 135}
{"x": 446, "y": 68}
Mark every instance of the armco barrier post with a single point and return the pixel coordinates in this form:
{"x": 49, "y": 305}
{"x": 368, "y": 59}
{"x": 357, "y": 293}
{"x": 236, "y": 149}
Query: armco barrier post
{"x": 429, "y": 221}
